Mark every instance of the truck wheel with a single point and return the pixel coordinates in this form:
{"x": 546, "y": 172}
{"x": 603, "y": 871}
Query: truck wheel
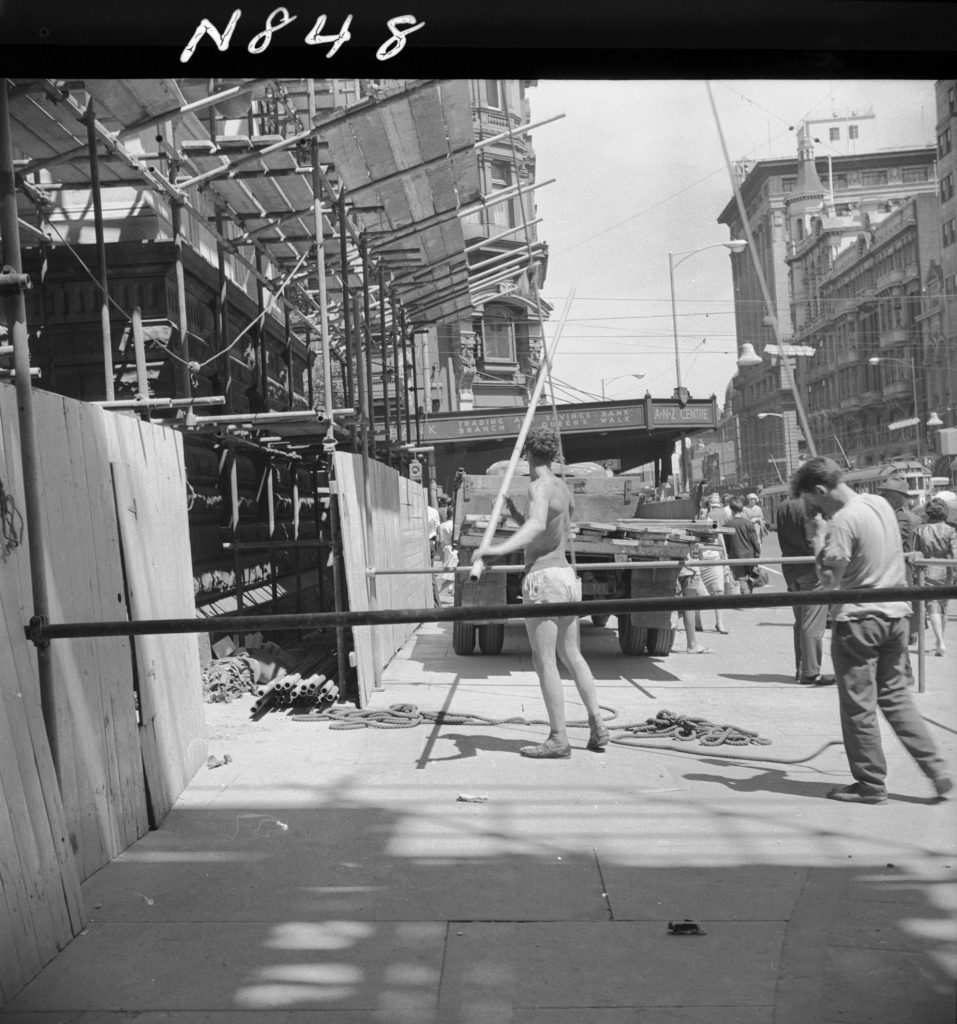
{"x": 600, "y": 620}
{"x": 491, "y": 638}
{"x": 631, "y": 637}
{"x": 660, "y": 641}
{"x": 463, "y": 637}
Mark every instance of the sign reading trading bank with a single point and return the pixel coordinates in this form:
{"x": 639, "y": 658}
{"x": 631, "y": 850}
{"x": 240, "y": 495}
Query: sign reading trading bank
{"x": 498, "y": 423}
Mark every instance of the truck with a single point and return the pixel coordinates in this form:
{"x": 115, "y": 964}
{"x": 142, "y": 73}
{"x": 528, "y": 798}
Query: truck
{"x": 608, "y": 529}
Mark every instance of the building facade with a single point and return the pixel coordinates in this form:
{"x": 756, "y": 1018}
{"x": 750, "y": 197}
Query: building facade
{"x": 802, "y": 214}
{"x": 489, "y": 358}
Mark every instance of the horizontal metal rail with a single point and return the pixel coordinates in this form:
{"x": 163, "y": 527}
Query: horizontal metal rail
{"x": 40, "y": 632}
{"x": 631, "y": 564}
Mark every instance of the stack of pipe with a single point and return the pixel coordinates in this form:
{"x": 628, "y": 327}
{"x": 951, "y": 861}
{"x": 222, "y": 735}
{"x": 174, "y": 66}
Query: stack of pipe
{"x": 301, "y": 685}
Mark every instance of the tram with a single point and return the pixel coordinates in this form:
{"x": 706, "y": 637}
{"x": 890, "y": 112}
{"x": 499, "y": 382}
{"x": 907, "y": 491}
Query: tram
{"x": 920, "y": 483}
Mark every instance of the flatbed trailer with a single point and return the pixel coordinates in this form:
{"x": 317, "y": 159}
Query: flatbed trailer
{"x": 606, "y": 531}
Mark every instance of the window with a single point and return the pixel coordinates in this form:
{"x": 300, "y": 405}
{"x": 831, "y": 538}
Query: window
{"x": 853, "y": 131}
{"x": 949, "y": 232}
{"x": 501, "y": 177}
{"x": 787, "y": 184}
{"x": 873, "y": 177}
{"x": 499, "y": 336}
{"x": 834, "y": 134}
{"x": 914, "y": 174}
{"x": 952, "y": 101}
{"x": 493, "y": 93}
{"x": 945, "y": 142}
{"x": 947, "y": 188}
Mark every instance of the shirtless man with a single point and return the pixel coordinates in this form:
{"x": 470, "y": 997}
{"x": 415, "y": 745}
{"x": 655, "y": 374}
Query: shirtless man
{"x": 550, "y": 578}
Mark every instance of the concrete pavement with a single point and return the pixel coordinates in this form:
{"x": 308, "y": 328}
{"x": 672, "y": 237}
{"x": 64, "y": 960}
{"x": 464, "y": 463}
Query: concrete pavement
{"x": 337, "y": 877}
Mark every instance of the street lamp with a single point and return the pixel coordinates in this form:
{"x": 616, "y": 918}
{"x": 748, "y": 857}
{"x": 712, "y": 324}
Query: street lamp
{"x": 787, "y": 443}
{"x": 876, "y": 360}
{"x": 621, "y": 376}
{"x": 734, "y": 245}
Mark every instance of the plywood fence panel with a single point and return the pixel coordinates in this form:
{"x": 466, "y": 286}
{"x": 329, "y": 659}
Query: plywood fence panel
{"x": 149, "y": 480}
{"x": 40, "y": 908}
{"x": 384, "y": 525}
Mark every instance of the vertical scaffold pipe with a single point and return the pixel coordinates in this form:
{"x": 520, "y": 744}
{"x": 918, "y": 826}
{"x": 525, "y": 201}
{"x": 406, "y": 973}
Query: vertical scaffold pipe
{"x": 16, "y": 316}
{"x": 330, "y": 438}
{"x": 89, "y": 119}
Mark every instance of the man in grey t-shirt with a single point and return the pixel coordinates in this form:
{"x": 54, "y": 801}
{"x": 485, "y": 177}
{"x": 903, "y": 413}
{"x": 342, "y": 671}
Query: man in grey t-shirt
{"x": 858, "y": 547}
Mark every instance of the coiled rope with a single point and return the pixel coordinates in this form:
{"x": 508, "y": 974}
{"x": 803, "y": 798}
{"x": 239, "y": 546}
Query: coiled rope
{"x": 662, "y": 732}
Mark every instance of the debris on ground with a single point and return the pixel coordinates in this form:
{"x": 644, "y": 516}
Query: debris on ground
{"x": 685, "y": 927}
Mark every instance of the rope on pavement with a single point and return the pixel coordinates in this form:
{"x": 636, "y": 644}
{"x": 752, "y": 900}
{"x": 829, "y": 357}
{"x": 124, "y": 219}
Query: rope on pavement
{"x": 407, "y": 716}
{"x": 662, "y": 732}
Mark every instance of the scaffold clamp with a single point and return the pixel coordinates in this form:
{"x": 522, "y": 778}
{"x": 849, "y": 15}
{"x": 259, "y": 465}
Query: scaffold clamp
{"x": 35, "y": 631}
{"x": 12, "y": 283}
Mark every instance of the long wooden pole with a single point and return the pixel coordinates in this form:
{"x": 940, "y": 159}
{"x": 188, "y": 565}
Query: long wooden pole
{"x": 543, "y": 370}
{"x": 762, "y": 281}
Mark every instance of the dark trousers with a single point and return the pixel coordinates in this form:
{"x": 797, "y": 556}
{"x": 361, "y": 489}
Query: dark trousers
{"x": 870, "y": 660}
{"x": 810, "y": 621}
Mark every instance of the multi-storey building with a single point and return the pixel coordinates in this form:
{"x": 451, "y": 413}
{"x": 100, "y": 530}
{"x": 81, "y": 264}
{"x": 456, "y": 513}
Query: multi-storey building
{"x": 489, "y": 357}
{"x": 787, "y": 202}
{"x": 938, "y": 317}
{"x": 858, "y": 285}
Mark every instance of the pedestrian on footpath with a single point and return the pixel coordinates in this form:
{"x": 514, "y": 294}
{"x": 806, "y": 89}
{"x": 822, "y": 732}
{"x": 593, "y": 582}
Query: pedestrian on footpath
{"x": 549, "y": 578}
{"x": 743, "y": 543}
{"x": 755, "y": 513}
{"x": 857, "y": 546}
{"x": 795, "y": 531}
{"x": 937, "y": 539}
{"x": 894, "y": 491}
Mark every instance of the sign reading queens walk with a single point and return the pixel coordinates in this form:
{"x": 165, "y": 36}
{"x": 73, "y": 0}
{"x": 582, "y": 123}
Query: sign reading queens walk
{"x": 572, "y": 419}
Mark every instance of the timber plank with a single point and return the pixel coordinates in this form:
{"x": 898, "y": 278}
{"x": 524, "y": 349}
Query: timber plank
{"x": 18, "y": 607}
{"x": 20, "y": 952}
{"x": 353, "y": 556}
{"x": 38, "y": 922}
{"x": 79, "y": 669}
{"x": 44, "y": 806}
{"x": 127, "y": 785}
{"x": 149, "y": 481}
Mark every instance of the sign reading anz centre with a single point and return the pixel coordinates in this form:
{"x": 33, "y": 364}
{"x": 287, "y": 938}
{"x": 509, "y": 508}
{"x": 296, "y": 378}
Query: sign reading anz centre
{"x": 499, "y": 423}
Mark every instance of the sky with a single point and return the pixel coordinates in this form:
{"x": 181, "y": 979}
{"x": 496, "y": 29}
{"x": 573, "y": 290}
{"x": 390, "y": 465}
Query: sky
{"x": 639, "y": 172}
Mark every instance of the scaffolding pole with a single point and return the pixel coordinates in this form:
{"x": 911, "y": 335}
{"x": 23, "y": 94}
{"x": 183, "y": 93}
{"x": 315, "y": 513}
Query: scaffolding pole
{"x": 387, "y": 424}
{"x": 396, "y": 384}
{"x": 185, "y": 387}
{"x": 89, "y": 120}
{"x": 329, "y": 441}
{"x": 16, "y": 316}
{"x": 367, "y": 336}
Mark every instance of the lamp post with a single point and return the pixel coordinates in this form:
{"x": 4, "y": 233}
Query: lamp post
{"x": 787, "y": 443}
{"x": 877, "y": 360}
{"x": 621, "y": 376}
{"x": 735, "y": 245}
